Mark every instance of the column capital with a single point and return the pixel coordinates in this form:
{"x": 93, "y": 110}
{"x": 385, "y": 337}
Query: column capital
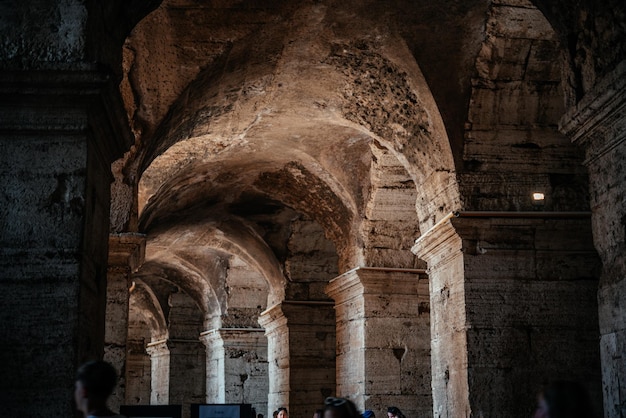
{"x": 438, "y": 243}
{"x": 597, "y": 122}
{"x": 232, "y": 334}
{"x": 81, "y": 99}
{"x": 272, "y": 318}
{"x": 514, "y": 230}
{"x": 127, "y": 250}
{"x": 377, "y": 280}
{"x": 158, "y": 348}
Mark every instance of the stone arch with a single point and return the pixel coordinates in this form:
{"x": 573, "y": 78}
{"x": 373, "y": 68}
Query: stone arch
{"x": 146, "y": 324}
{"x": 232, "y": 236}
{"x": 512, "y": 148}
{"x": 386, "y": 94}
{"x": 390, "y": 222}
{"x": 265, "y": 112}
{"x": 311, "y": 185}
{"x": 517, "y": 99}
{"x": 172, "y": 379}
{"x": 187, "y": 278}
{"x": 227, "y": 106}
{"x": 144, "y": 302}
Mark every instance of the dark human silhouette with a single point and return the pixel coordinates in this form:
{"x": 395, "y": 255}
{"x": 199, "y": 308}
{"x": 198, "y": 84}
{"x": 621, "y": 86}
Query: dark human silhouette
{"x": 340, "y": 408}
{"x": 564, "y": 399}
{"x": 95, "y": 382}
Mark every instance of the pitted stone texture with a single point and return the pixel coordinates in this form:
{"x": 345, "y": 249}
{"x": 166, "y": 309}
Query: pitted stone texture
{"x": 311, "y": 262}
{"x": 27, "y": 44}
{"x": 383, "y": 339}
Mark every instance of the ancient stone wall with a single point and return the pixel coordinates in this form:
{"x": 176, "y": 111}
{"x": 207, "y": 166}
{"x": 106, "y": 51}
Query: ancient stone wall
{"x": 598, "y": 125}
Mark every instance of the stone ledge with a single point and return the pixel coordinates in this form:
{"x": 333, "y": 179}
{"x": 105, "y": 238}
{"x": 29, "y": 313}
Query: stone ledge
{"x": 597, "y": 122}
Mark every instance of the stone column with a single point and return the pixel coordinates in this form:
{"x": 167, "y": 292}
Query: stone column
{"x": 126, "y": 254}
{"x": 138, "y": 373}
{"x": 301, "y": 354}
{"x": 513, "y": 305}
{"x": 160, "y": 360}
{"x": 598, "y": 125}
{"x": 237, "y": 366}
{"x": 187, "y": 367}
{"x": 215, "y": 370}
{"x": 383, "y": 339}
{"x": 61, "y": 131}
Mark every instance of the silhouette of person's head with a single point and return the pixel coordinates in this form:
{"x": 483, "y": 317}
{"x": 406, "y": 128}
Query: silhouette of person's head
{"x": 394, "y": 412}
{"x": 564, "y": 399}
{"x": 95, "y": 382}
{"x": 340, "y": 408}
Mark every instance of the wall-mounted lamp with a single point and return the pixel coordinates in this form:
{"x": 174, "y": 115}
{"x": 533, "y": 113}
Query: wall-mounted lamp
{"x": 538, "y": 198}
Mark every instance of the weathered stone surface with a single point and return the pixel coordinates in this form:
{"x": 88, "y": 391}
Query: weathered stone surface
{"x": 264, "y": 148}
{"x": 383, "y": 333}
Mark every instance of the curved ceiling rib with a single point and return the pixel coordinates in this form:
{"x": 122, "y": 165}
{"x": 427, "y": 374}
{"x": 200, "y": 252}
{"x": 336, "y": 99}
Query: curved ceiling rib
{"x": 143, "y": 301}
{"x": 197, "y": 244}
{"x": 187, "y": 277}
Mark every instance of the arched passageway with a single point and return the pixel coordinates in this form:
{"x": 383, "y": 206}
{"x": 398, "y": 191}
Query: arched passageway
{"x": 317, "y": 198}
{"x": 322, "y": 114}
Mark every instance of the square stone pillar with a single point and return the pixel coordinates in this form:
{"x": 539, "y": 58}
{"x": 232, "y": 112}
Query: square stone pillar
{"x": 138, "y": 373}
{"x": 61, "y": 131}
{"x": 187, "y": 378}
{"x": 236, "y": 366}
{"x": 383, "y": 339}
{"x": 301, "y": 354}
{"x": 277, "y": 333}
{"x": 513, "y": 306}
{"x": 160, "y": 360}
{"x": 126, "y": 254}
{"x": 598, "y": 125}
{"x": 215, "y": 369}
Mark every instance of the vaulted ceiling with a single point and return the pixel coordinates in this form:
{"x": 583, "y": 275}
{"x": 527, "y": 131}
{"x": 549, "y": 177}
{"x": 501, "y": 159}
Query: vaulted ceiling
{"x": 368, "y": 119}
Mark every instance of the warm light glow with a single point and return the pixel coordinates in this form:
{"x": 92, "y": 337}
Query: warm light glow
{"x": 538, "y": 196}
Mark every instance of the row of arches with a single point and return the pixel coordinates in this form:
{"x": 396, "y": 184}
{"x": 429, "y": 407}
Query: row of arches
{"x": 343, "y": 188}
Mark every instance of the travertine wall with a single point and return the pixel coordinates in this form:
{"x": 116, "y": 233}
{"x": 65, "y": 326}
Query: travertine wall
{"x": 160, "y": 371}
{"x": 187, "y": 379}
{"x": 390, "y": 225}
{"x": 237, "y": 367}
{"x": 55, "y": 231}
{"x": 514, "y": 305}
{"x": 301, "y": 355}
{"x": 126, "y": 253}
{"x": 383, "y": 339}
{"x": 598, "y": 125}
{"x": 138, "y": 374}
{"x": 343, "y": 68}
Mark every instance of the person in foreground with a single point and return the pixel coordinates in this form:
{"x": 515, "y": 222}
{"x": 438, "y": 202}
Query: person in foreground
{"x": 394, "y": 412}
{"x": 368, "y": 413}
{"x": 340, "y": 408}
{"x": 95, "y": 382}
{"x": 564, "y": 399}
